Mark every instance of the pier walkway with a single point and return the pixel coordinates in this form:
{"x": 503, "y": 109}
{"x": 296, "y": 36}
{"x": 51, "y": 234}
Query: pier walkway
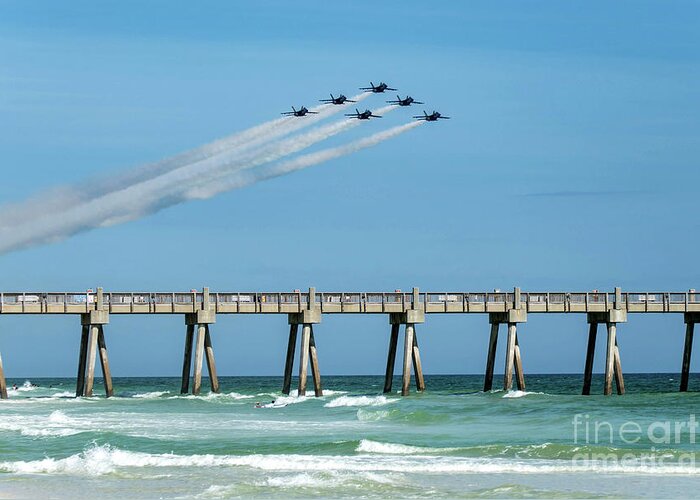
{"x": 306, "y": 309}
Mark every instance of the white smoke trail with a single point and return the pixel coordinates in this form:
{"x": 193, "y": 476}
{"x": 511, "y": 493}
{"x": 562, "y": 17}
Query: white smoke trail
{"x": 275, "y": 151}
{"x": 63, "y": 198}
{"x": 243, "y": 178}
{"x": 152, "y": 195}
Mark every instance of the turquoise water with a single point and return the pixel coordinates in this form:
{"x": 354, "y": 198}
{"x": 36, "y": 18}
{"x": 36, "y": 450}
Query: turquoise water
{"x": 452, "y": 441}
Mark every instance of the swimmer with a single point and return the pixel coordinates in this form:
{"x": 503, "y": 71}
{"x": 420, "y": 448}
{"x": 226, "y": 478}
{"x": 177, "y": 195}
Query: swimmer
{"x": 257, "y": 404}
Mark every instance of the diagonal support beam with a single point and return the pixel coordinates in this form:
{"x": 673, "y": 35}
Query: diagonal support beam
{"x": 590, "y": 354}
{"x": 289, "y": 363}
{"x": 187, "y": 360}
{"x": 687, "y": 353}
{"x": 304, "y": 358}
{"x": 417, "y": 367}
{"x": 610, "y": 358}
{"x": 510, "y": 357}
{"x": 82, "y": 361}
{"x": 104, "y": 362}
{"x": 617, "y": 366}
{"x": 491, "y": 357}
{"x": 407, "y": 360}
{"x": 91, "y": 352}
{"x": 198, "y": 359}
{"x": 315, "y": 372}
{"x": 518, "y": 362}
{"x": 211, "y": 364}
{"x": 391, "y": 358}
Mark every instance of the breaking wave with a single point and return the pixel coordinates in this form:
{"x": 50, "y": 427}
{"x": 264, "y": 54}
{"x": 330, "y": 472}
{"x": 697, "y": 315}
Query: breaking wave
{"x": 104, "y": 459}
{"x": 359, "y": 401}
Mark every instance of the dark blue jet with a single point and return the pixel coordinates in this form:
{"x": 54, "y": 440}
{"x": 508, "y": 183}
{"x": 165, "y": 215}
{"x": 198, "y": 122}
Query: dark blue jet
{"x": 405, "y": 102}
{"x": 365, "y": 115}
{"x": 433, "y": 117}
{"x": 299, "y": 112}
{"x": 341, "y": 99}
{"x": 378, "y": 89}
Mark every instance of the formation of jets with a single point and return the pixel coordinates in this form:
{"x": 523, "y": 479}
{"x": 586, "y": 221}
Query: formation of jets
{"x": 367, "y": 114}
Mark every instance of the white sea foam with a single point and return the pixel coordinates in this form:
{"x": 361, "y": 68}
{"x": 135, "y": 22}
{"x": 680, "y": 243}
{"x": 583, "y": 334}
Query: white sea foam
{"x": 371, "y": 416}
{"x": 303, "y": 480}
{"x": 330, "y": 392}
{"x": 291, "y": 399}
{"x": 63, "y": 394}
{"x": 56, "y": 424}
{"x": 519, "y": 394}
{"x": 213, "y": 396}
{"x": 368, "y": 446}
{"x": 151, "y": 395}
{"x": 99, "y": 460}
{"x": 58, "y": 417}
{"x": 359, "y": 401}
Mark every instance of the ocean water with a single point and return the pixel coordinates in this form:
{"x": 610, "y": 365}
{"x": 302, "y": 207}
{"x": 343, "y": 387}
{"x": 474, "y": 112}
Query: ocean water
{"x": 451, "y": 441}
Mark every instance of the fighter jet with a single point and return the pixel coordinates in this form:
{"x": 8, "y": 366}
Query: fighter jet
{"x": 405, "y": 102}
{"x": 299, "y": 112}
{"x": 433, "y": 117}
{"x": 378, "y": 89}
{"x": 365, "y": 115}
{"x": 341, "y": 99}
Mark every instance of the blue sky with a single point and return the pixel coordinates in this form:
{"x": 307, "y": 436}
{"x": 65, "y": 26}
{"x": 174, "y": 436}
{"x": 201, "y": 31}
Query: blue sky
{"x": 570, "y": 163}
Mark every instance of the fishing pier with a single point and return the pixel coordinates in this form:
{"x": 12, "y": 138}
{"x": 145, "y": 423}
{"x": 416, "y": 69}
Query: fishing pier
{"x": 305, "y": 310}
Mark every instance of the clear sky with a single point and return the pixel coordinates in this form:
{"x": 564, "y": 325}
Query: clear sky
{"x": 570, "y": 163}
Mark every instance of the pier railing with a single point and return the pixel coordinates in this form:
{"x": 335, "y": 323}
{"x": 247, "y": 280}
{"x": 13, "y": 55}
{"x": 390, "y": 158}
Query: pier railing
{"x": 346, "y": 302}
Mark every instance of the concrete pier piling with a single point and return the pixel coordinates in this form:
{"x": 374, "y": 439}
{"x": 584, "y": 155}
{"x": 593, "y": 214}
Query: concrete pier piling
{"x": 617, "y": 369}
{"x": 92, "y": 343}
{"x": 304, "y": 358}
{"x": 610, "y": 358}
{"x": 417, "y": 367}
{"x": 308, "y": 317}
{"x": 104, "y": 362}
{"x": 407, "y": 359}
{"x": 3, "y": 383}
{"x": 187, "y": 360}
{"x": 199, "y": 321}
{"x": 590, "y": 354}
{"x": 518, "y": 363}
{"x": 82, "y": 359}
{"x": 415, "y": 314}
{"x": 513, "y": 359}
{"x": 491, "y": 357}
{"x": 613, "y": 367}
{"x": 90, "y": 367}
{"x": 198, "y": 359}
{"x": 289, "y": 363}
{"x": 391, "y": 357}
{"x": 315, "y": 372}
{"x": 690, "y": 320}
{"x": 510, "y": 358}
